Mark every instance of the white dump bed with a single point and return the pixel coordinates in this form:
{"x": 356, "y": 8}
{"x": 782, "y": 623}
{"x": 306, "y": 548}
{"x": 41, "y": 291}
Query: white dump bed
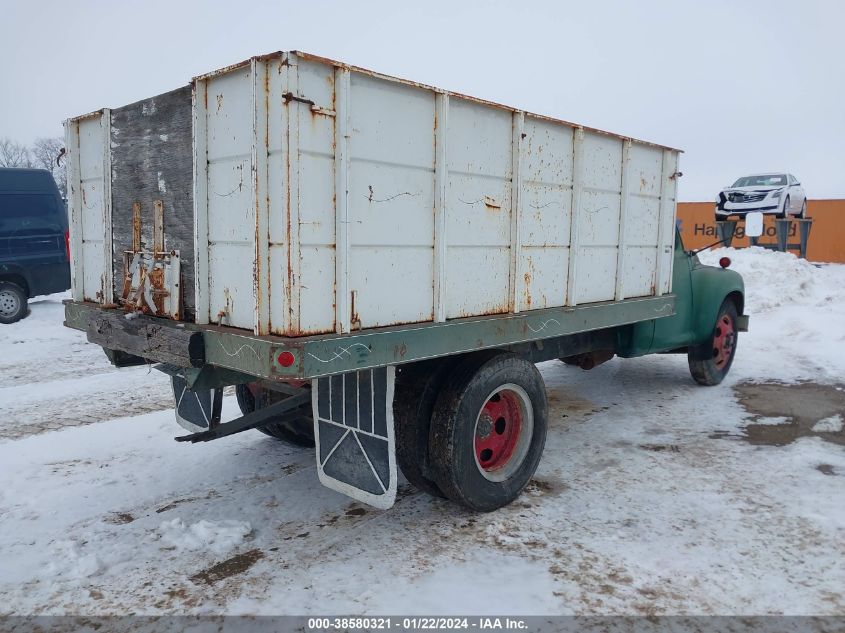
{"x": 329, "y": 198}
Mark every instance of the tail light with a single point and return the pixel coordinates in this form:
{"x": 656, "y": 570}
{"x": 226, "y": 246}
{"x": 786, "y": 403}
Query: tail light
{"x": 286, "y": 359}
{"x": 67, "y": 244}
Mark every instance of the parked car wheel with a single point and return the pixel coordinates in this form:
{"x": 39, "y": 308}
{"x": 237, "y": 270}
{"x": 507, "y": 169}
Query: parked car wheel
{"x": 710, "y": 362}
{"x": 803, "y": 214}
{"x": 785, "y": 212}
{"x": 416, "y": 390}
{"x": 488, "y": 430}
{"x": 298, "y": 432}
{"x": 13, "y": 302}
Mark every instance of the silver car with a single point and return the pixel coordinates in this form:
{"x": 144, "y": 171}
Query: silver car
{"x": 773, "y": 193}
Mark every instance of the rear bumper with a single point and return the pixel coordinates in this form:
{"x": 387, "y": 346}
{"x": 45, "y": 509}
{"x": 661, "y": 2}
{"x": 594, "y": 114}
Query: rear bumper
{"x": 153, "y": 339}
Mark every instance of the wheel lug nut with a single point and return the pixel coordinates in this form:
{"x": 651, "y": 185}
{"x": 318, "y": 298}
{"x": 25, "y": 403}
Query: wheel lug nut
{"x": 484, "y": 427}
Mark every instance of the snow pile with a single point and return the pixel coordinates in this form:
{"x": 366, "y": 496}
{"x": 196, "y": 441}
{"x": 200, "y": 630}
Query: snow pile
{"x": 67, "y": 561}
{"x": 773, "y": 279}
{"x": 833, "y": 424}
{"x": 797, "y": 310}
{"x": 216, "y": 536}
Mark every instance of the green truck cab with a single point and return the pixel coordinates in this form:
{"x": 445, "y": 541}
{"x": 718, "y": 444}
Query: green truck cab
{"x": 709, "y": 312}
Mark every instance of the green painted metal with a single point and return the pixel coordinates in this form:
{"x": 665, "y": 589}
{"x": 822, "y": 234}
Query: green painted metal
{"x": 324, "y": 355}
{"x": 331, "y": 354}
{"x": 710, "y": 287}
{"x": 676, "y": 331}
{"x": 699, "y": 292}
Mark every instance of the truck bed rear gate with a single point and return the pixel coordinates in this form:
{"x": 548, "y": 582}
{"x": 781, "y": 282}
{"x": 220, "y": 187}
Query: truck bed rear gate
{"x": 353, "y": 427}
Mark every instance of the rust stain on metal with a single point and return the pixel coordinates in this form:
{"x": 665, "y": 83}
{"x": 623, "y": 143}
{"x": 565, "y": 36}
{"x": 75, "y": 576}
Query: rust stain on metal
{"x": 355, "y": 318}
{"x": 289, "y": 96}
{"x": 158, "y": 226}
{"x": 156, "y": 278}
{"x": 136, "y": 226}
{"x": 527, "y": 292}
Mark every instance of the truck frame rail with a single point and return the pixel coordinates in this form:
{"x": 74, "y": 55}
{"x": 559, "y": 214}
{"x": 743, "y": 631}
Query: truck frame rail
{"x": 280, "y": 358}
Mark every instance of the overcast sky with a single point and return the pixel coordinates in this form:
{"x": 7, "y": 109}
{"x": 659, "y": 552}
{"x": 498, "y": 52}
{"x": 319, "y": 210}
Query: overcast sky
{"x": 741, "y": 87}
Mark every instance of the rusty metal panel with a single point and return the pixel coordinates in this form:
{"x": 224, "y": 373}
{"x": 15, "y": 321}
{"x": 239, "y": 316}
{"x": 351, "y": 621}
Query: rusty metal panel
{"x": 231, "y": 213}
{"x": 478, "y": 217}
{"x": 278, "y": 279}
{"x": 340, "y": 199}
{"x": 666, "y": 227}
{"x": 645, "y": 170}
{"x": 90, "y": 206}
{"x": 314, "y": 250}
{"x": 598, "y": 218}
{"x": 546, "y": 213}
{"x": 391, "y": 198}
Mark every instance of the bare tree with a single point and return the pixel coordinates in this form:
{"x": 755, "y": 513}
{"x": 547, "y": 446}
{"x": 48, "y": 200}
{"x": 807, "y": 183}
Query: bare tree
{"x": 14, "y": 154}
{"x": 45, "y": 153}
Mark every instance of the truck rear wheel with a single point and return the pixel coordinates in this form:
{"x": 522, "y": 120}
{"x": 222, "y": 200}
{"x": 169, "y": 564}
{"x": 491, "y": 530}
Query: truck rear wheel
{"x": 416, "y": 391}
{"x": 710, "y": 362}
{"x": 488, "y": 430}
{"x": 299, "y": 431}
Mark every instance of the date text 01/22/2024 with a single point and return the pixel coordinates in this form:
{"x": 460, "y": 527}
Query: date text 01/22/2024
{"x": 416, "y": 624}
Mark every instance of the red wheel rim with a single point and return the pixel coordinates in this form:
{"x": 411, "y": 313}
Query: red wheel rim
{"x": 724, "y": 338}
{"x": 498, "y": 430}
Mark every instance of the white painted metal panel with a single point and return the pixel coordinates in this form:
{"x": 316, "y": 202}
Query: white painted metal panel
{"x": 391, "y": 202}
{"x": 338, "y": 199}
{"x": 230, "y": 209}
{"x": 90, "y": 206}
{"x": 314, "y": 268}
{"x": 478, "y": 209}
{"x": 598, "y": 218}
{"x": 278, "y": 280}
{"x": 546, "y": 213}
{"x": 666, "y": 228}
{"x": 641, "y": 228}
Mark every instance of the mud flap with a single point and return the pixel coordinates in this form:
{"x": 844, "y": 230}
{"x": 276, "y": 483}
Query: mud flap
{"x": 353, "y": 428}
{"x": 194, "y": 409}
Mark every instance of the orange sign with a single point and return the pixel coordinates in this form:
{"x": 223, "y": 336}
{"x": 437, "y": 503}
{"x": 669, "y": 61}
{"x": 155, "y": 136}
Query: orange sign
{"x": 697, "y": 222}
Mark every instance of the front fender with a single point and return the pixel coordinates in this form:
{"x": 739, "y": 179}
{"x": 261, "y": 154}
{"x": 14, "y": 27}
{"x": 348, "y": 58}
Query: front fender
{"x": 710, "y": 287}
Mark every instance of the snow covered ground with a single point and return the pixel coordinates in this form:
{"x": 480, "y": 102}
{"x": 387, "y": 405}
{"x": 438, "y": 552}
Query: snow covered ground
{"x": 651, "y": 497}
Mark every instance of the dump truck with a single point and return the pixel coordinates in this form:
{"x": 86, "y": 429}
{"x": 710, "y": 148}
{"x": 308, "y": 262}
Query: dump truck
{"x": 376, "y": 266}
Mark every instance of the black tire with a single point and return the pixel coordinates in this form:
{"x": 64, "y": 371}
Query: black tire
{"x": 13, "y": 302}
{"x": 475, "y": 384}
{"x": 803, "y": 214}
{"x": 785, "y": 213}
{"x": 415, "y": 392}
{"x": 298, "y": 431}
{"x": 710, "y": 362}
